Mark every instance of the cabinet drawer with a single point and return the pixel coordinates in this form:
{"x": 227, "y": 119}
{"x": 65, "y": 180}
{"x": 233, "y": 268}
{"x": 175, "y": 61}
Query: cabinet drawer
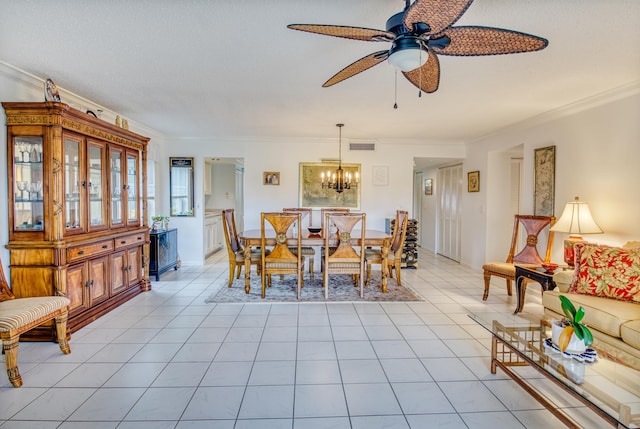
{"x": 129, "y": 240}
{"x": 75, "y": 253}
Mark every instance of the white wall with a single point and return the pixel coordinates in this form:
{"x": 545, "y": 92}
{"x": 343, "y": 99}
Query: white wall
{"x": 597, "y": 154}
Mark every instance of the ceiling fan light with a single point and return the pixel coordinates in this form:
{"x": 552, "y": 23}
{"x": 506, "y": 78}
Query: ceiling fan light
{"x": 408, "y": 59}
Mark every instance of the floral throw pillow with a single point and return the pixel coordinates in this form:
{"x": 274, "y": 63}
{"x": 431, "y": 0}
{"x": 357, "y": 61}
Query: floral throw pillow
{"x": 610, "y": 272}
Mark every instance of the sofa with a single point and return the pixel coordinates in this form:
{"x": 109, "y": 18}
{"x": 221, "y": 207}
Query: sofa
{"x": 606, "y": 282}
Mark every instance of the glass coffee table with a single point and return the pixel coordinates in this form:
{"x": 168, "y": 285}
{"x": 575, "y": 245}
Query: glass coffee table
{"x": 608, "y": 388}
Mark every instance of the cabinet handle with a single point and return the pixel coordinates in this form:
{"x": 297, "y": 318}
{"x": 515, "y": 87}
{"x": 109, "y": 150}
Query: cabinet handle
{"x": 91, "y": 282}
{"x": 139, "y": 238}
{"x": 125, "y": 269}
{"x": 123, "y": 242}
{"x": 81, "y": 252}
{"x": 105, "y": 246}
{"x": 87, "y": 284}
{"x": 84, "y": 184}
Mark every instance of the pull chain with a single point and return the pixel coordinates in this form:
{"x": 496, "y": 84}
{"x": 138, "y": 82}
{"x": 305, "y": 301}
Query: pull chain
{"x": 420, "y": 77}
{"x": 395, "y": 95}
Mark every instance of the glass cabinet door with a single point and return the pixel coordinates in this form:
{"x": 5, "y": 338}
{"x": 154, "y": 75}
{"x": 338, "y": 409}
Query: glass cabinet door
{"x": 72, "y": 185}
{"x": 94, "y": 185}
{"x": 27, "y": 186}
{"x": 132, "y": 188}
{"x": 117, "y": 205}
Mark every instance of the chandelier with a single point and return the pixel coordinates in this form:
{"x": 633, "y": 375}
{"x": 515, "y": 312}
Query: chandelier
{"x": 339, "y": 179}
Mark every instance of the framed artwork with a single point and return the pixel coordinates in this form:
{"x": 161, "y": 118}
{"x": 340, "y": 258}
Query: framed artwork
{"x": 544, "y": 181}
{"x": 312, "y": 194}
{"x": 428, "y": 186}
{"x": 473, "y": 181}
{"x": 271, "y": 178}
{"x": 380, "y": 175}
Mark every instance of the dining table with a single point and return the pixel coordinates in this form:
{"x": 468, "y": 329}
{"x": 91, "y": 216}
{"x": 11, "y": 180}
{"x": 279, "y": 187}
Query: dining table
{"x": 373, "y": 238}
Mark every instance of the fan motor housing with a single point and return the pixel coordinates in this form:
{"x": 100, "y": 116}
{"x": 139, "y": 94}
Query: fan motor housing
{"x": 395, "y": 24}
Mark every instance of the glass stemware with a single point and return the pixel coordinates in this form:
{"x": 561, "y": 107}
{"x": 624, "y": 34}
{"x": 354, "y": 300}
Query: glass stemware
{"x": 19, "y": 150}
{"x": 37, "y": 187}
{"x": 22, "y": 186}
{"x": 32, "y": 191}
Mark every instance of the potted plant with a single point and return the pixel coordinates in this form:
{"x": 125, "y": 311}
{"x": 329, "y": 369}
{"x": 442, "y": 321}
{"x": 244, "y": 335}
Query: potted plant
{"x": 160, "y": 220}
{"x": 570, "y": 334}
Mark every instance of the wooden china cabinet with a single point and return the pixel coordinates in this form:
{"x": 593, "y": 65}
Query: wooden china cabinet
{"x": 77, "y": 210}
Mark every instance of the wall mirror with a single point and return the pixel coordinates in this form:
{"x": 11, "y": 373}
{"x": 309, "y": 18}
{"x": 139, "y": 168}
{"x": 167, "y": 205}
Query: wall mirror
{"x": 181, "y": 186}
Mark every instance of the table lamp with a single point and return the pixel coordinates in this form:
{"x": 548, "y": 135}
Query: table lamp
{"x": 576, "y": 219}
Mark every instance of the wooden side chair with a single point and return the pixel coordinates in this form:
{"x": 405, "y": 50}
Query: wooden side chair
{"x": 344, "y": 259}
{"x": 394, "y": 258}
{"x": 281, "y": 260}
{"x": 235, "y": 251}
{"x": 533, "y": 226}
{"x": 19, "y": 315}
{"x": 336, "y": 210}
{"x": 307, "y": 251}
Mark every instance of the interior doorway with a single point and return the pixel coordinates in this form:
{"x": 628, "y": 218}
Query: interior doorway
{"x": 223, "y": 189}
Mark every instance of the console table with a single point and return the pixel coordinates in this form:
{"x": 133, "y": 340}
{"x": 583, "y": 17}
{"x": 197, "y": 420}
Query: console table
{"x": 163, "y": 251}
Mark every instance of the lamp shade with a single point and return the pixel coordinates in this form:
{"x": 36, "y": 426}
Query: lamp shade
{"x": 576, "y": 219}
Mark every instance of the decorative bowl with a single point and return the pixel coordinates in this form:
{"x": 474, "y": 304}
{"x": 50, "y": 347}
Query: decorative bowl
{"x": 315, "y": 229}
{"x": 550, "y": 267}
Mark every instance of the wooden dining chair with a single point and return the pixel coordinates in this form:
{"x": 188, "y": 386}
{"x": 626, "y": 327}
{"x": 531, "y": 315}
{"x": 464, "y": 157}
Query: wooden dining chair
{"x": 307, "y": 251}
{"x": 333, "y": 210}
{"x": 344, "y": 258}
{"x": 235, "y": 251}
{"x": 394, "y": 257}
{"x": 281, "y": 260}
{"x": 528, "y": 254}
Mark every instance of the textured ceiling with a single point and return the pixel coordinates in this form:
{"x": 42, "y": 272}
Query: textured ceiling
{"x": 215, "y": 69}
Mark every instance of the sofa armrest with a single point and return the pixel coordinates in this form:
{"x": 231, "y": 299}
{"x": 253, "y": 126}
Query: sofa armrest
{"x": 563, "y": 279}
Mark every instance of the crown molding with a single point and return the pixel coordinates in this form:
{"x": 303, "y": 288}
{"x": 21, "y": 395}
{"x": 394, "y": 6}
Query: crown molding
{"x": 588, "y": 103}
{"x": 35, "y": 84}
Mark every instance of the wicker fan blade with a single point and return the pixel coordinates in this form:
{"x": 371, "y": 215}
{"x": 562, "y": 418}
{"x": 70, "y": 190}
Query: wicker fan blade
{"x": 357, "y": 33}
{"x": 357, "y": 67}
{"x": 427, "y": 77}
{"x": 469, "y": 41}
{"x": 438, "y": 14}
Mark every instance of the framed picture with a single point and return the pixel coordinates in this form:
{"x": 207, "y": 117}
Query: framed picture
{"x": 312, "y": 194}
{"x": 380, "y": 175}
{"x": 271, "y": 178}
{"x": 428, "y": 186}
{"x": 544, "y": 181}
{"x": 473, "y": 181}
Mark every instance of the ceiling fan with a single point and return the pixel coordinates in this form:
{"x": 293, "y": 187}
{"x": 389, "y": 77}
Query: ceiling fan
{"x": 418, "y": 34}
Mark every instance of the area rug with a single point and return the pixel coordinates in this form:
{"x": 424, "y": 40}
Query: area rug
{"x": 341, "y": 288}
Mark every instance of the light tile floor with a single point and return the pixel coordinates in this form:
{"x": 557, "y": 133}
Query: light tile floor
{"x": 167, "y": 360}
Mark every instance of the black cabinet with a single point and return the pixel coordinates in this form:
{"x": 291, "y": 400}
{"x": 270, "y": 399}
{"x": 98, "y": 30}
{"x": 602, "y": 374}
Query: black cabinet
{"x": 163, "y": 251}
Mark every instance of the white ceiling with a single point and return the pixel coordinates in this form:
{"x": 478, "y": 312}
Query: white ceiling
{"x": 213, "y": 69}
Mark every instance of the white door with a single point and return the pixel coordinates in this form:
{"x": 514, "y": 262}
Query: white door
{"x": 449, "y": 216}
{"x": 417, "y": 202}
